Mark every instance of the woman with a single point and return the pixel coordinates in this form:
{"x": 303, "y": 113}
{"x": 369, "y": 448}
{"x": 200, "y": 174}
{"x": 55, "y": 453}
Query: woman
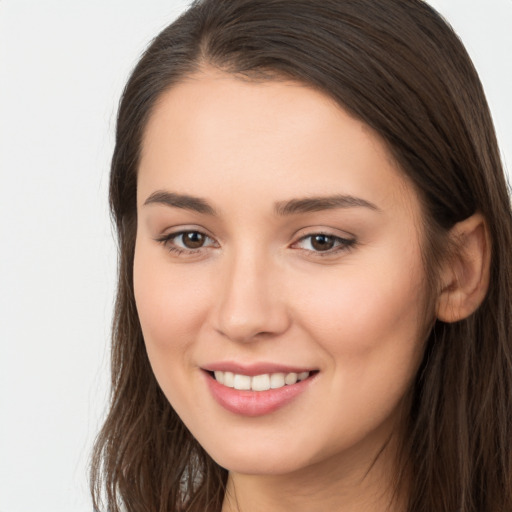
{"x": 314, "y": 299}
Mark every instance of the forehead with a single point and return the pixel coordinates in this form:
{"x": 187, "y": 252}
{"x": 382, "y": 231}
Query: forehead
{"x": 216, "y": 135}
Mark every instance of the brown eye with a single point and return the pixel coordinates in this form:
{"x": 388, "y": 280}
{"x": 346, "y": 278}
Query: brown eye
{"x": 322, "y": 242}
{"x": 185, "y": 243}
{"x": 193, "y": 239}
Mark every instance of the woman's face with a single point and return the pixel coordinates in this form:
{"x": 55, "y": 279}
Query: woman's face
{"x": 276, "y": 240}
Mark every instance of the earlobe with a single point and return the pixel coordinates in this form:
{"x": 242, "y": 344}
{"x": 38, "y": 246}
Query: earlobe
{"x": 465, "y": 276}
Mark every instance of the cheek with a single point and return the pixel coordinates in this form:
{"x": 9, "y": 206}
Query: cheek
{"x": 169, "y": 304}
{"x": 369, "y": 325}
{"x": 369, "y": 316}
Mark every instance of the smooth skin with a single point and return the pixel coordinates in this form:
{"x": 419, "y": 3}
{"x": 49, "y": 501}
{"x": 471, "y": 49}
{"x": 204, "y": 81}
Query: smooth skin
{"x": 233, "y": 264}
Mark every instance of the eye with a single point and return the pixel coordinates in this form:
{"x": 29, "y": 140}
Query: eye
{"x": 191, "y": 239}
{"x": 186, "y": 241}
{"x": 324, "y": 243}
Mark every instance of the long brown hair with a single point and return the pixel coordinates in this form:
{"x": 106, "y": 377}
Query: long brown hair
{"x": 397, "y": 66}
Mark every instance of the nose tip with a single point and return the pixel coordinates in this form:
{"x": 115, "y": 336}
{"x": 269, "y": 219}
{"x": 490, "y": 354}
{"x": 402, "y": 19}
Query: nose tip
{"x": 250, "y": 306}
{"x": 244, "y": 330}
{"x": 251, "y": 317}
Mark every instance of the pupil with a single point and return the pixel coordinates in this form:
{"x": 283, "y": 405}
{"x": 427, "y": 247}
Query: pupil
{"x": 322, "y": 242}
{"x": 193, "y": 240}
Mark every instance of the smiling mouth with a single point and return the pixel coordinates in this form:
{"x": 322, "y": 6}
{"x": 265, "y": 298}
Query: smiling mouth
{"x": 257, "y": 394}
{"x": 262, "y": 382}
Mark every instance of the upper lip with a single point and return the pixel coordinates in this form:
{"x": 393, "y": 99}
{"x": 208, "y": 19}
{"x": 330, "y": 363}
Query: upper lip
{"x": 253, "y": 369}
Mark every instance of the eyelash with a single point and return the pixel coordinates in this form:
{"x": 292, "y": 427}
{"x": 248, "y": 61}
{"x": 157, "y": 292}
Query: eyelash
{"x": 342, "y": 244}
{"x": 167, "y": 242}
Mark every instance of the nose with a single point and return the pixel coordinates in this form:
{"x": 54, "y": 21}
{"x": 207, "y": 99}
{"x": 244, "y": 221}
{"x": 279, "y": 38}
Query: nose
{"x": 251, "y": 304}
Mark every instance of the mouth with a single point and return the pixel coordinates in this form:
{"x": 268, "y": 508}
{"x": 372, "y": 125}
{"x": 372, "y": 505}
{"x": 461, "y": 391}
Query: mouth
{"x": 262, "y": 382}
{"x": 259, "y": 393}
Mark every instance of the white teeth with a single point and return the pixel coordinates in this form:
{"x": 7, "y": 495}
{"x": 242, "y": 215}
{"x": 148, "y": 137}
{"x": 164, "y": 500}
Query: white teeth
{"x": 242, "y": 382}
{"x": 291, "y": 378}
{"x": 258, "y": 382}
{"x": 277, "y": 380}
{"x": 229, "y": 379}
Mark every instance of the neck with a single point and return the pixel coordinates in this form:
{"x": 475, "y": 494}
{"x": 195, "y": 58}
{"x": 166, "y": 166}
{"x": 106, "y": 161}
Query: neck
{"x": 352, "y": 484}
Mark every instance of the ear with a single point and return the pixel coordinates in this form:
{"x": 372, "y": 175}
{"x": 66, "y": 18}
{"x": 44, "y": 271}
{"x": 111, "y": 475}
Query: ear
{"x": 465, "y": 276}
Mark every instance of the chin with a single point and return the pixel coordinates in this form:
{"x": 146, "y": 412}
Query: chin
{"x": 257, "y": 464}
{"x": 260, "y": 457}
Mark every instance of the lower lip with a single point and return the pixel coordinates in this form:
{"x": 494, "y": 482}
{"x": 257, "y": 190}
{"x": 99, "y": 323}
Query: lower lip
{"x": 255, "y": 403}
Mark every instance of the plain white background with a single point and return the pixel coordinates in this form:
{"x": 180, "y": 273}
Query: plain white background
{"x": 62, "y": 68}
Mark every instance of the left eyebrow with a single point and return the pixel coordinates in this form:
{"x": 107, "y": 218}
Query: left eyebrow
{"x": 183, "y": 201}
{"x": 315, "y": 204}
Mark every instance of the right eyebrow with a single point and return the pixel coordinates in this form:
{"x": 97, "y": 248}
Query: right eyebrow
{"x": 184, "y": 201}
{"x": 316, "y": 204}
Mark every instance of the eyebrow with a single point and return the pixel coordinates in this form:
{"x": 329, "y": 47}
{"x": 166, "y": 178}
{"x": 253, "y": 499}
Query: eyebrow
{"x": 282, "y": 208}
{"x": 316, "y": 204}
{"x": 186, "y": 202}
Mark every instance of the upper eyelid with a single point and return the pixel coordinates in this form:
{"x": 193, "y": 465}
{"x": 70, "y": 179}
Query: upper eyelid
{"x": 326, "y": 233}
{"x": 179, "y": 230}
{"x": 323, "y": 230}
{"x": 175, "y": 234}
